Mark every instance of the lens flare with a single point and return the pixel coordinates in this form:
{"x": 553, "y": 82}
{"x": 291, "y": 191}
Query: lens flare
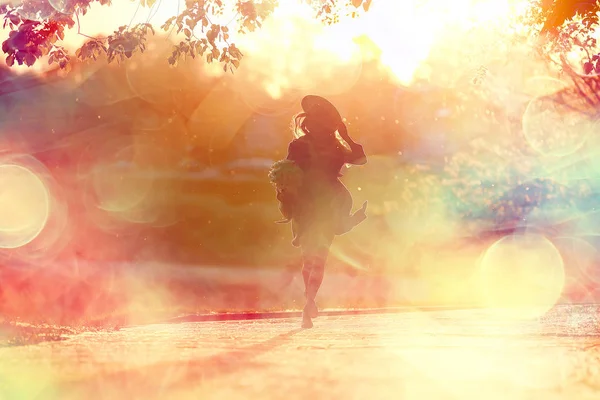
{"x": 522, "y": 275}
{"x": 554, "y": 129}
{"x": 150, "y": 77}
{"x": 538, "y": 86}
{"x": 581, "y": 260}
{"x": 24, "y": 206}
{"x": 126, "y": 172}
{"x": 59, "y": 5}
{"x": 225, "y": 114}
{"x": 103, "y": 88}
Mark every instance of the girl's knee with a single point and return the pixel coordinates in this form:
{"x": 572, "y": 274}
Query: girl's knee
{"x": 306, "y": 267}
{"x": 314, "y": 262}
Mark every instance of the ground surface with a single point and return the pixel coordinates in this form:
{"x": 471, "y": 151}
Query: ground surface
{"x": 466, "y": 354}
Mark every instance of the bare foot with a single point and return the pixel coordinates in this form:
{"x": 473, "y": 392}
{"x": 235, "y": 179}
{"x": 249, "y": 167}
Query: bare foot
{"x": 306, "y": 321}
{"x": 306, "y": 324}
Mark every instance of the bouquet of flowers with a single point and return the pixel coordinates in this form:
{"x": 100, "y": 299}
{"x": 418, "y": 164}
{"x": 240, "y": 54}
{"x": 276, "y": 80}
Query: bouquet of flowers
{"x": 286, "y": 177}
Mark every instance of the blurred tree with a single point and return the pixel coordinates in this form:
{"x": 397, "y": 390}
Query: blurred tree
{"x": 559, "y": 11}
{"x": 37, "y": 28}
{"x": 571, "y": 28}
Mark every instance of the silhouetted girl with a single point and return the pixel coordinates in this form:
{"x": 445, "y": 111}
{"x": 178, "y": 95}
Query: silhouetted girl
{"x": 310, "y": 194}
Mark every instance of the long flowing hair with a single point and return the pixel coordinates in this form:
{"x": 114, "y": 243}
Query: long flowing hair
{"x": 298, "y": 127}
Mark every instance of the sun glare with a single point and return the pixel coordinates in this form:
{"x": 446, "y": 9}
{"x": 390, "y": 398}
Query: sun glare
{"x": 403, "y": 41}
{"x": 402, "y": 32}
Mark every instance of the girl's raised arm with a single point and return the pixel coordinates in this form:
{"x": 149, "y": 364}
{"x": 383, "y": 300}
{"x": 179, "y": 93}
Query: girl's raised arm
{"x": 356, "y": 155}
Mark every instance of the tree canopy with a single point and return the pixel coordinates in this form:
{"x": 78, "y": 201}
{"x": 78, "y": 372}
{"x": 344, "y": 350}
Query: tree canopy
{"x": 37, "y": 28}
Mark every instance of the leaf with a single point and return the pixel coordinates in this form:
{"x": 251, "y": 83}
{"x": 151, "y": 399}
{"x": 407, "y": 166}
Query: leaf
{"x": 357, "y": 3}
{"x": 10, "y": 60}
{"x": 235, "y": 52}
{"x": 29, "y": 59}
{"x": 168, "y": 23}
{"x": 14, "y": 19}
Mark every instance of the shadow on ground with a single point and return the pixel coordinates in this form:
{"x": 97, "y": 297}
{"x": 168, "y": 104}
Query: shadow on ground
{"x": 152, "y": 380}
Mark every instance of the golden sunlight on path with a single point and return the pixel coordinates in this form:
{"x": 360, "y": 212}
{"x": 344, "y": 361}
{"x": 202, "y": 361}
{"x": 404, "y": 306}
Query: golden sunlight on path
{"x": 467, "y": 354}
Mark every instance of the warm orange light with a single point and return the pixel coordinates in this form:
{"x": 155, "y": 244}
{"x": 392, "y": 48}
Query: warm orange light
{"x": 293, "y": 48}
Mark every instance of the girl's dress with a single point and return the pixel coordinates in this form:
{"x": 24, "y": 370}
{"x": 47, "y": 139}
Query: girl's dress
{"x": 311, "y": 194}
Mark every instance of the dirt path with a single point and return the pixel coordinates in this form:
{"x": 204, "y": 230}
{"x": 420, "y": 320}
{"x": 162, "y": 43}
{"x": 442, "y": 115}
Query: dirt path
{"x": 469, "y": 354}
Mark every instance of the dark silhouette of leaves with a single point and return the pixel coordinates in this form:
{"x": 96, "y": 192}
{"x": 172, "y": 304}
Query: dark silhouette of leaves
{"x": 36, "y": 26}
{"x": 92, "y": 49}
